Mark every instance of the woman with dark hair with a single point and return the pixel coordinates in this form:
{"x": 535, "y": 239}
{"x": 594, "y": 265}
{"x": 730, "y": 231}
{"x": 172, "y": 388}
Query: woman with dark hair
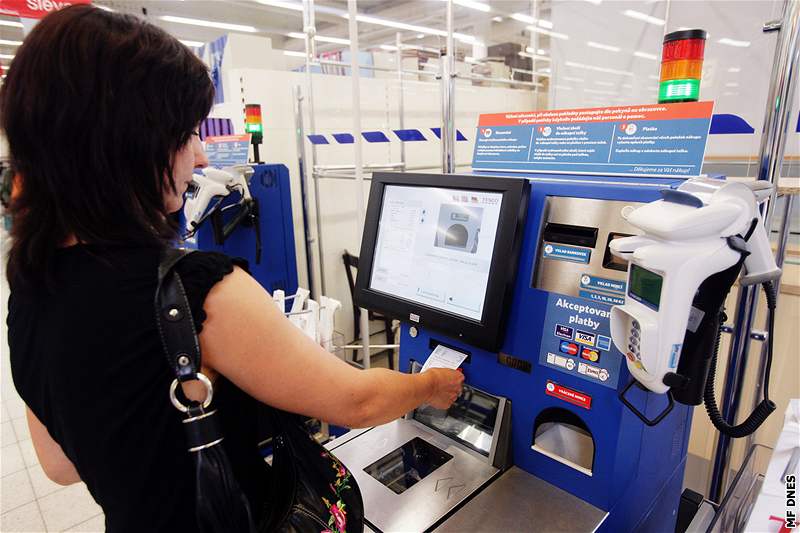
{"x": 100, "y": 111}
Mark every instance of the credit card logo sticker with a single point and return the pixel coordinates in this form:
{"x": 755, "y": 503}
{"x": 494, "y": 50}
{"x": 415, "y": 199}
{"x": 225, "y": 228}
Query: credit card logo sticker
{"x": 569, "y": 348}
{"x": 603, "y": 342}
{"x": 585, "y": 338}
{"x": 590, "y": 355}
{"x": 565, "y": 332}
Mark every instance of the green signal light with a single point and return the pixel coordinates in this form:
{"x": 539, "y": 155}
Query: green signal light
{"x": 687, "y": 90}
{"x": 253, "y": 128}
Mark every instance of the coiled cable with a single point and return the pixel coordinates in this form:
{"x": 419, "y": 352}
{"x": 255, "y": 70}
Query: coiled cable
{"x": 766, "y": 406}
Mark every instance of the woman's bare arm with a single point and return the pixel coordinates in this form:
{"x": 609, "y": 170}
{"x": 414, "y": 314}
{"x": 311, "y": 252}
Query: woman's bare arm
{"x": 249, "y": 341}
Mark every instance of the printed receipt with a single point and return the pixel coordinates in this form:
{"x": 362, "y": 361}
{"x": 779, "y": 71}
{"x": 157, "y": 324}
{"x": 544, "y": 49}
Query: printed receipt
{"x": 444, "y": 357}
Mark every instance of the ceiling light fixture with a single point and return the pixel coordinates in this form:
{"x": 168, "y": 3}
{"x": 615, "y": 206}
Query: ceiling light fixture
{"x": 605, "y": 83}
{"x": 573, "y": 79}
{"x": 645, "y": 55}
{"x": 388, "y": 47}
{"x": 6, "y": 56}
{"x": 595, "y": 2}
{"x": 644, "y": 17}
{"x": 209, "y": 24}
{"x": 553, "y": 34}
{"x": 192, "y": 44}
{"x": 498, "y": 19}
{"x": 601, "y": 46}
{"x": 10, "y": 43}
{"x": 731, "y": 84}
{"x": 479, "y": 6}
{"x": 285, "y": 5}
{"x": 734, "y": 42}
{"x": 292, "y": 53}
{"x": 734, "y": 69}
{"x": 11, "y": 23}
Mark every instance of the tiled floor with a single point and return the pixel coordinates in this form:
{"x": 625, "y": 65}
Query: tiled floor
{"x": 29, "y": 501}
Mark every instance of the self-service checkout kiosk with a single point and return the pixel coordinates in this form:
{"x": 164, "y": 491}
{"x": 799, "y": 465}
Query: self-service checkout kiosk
{"x": 529, "y": 303}
{"x": 246, "y": 212}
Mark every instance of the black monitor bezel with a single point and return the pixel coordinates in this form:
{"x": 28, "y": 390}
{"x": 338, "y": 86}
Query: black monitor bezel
{"x": 488, "y": 332}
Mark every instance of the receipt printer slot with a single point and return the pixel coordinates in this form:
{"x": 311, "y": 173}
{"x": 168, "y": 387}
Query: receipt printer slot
{"x": 585, "y": 236}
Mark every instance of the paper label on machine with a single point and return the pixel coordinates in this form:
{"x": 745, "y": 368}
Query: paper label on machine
{"x": 590, "y": 321}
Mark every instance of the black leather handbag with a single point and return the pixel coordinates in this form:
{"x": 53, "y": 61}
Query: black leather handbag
{"x": 311, "y": 490}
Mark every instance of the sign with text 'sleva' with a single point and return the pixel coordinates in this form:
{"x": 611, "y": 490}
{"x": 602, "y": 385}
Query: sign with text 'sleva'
{"x": 644, "y": 140}
{"x": 34, "y": 9}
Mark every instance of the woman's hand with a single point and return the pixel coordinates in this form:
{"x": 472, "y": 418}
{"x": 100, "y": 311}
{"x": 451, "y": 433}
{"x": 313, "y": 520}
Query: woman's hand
{"x": 446, "y": 388}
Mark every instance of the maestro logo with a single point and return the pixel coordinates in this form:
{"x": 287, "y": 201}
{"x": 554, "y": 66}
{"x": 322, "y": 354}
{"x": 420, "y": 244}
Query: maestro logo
{"x": 546, "y": 131}
{"x": 486, "y": 132}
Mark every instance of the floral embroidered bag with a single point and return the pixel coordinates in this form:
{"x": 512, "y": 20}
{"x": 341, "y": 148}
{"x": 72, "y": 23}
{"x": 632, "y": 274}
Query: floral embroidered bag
{"x": 311, "y": 490}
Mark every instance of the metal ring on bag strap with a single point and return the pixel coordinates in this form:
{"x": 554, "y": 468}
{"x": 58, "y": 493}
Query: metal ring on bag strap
{"x": 202, "y": 379}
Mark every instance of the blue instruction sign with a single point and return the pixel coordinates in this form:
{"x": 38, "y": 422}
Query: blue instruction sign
{"x": 228, "y": 150}
{"x": 648, "y": 140}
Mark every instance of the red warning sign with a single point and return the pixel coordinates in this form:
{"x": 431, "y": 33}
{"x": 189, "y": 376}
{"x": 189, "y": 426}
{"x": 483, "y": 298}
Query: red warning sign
{"x": 568, "y": 395}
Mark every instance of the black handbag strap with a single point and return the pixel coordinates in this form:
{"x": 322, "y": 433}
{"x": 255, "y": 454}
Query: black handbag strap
{"x": 174, "y": 318}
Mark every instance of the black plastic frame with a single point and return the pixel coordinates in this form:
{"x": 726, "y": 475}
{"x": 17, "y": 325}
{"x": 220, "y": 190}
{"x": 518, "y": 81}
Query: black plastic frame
{"x": 489, "y": 331}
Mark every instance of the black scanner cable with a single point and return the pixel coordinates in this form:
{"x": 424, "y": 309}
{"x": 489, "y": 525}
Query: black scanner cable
{"x": 765, "y": 406}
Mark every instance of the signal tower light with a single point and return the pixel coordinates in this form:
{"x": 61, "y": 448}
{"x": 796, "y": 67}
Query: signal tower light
{"x": 253, "y": 126}
{"x": 682, "y": 66}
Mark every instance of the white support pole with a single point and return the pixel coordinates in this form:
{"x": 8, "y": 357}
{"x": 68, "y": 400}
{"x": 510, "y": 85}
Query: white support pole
{"x": 355, "y": 76}
{"x": 310, "y": 31}
{"x": 448, "y": 102}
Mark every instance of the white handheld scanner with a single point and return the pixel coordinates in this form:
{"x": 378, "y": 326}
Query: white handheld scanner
{"x": 686, "y": 239}
{"x": 213, "y": 183}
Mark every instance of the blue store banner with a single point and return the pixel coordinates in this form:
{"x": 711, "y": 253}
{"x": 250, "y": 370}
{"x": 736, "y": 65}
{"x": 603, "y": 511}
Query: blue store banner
{"x": 649, "y": 140}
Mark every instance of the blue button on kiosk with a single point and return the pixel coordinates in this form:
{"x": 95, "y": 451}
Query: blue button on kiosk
{"x": 514, "y": 270}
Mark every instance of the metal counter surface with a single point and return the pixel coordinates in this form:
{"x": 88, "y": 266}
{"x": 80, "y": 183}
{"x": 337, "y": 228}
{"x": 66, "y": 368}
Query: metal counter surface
{"x": 518, "y": 501}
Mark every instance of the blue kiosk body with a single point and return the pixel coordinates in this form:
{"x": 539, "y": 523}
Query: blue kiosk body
{"x": 277, "y": 268}
{"x": 631, "y": 471}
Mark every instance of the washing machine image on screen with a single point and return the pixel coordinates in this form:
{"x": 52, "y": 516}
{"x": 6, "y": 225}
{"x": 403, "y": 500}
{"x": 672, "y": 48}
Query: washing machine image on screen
{"x": 459, "y": 227}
